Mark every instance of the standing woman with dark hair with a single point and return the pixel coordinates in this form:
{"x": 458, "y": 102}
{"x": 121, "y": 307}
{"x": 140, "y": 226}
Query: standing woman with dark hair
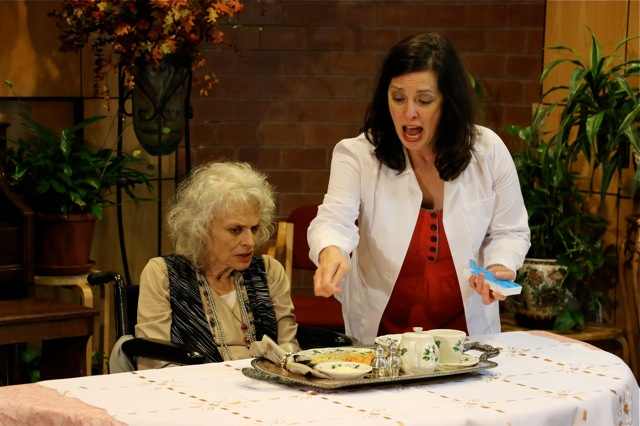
{"x": 429, "y": 191}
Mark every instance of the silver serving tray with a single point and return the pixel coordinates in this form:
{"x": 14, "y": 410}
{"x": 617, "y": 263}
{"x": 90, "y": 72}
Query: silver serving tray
{"x": 264, "y": 369}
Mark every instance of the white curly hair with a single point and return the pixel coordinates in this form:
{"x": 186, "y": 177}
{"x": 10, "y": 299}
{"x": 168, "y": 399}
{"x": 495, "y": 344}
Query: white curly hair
{"x": 214, "y": 190}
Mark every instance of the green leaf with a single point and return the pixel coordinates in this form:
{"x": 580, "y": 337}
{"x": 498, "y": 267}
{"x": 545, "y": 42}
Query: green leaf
{"x": 96, "y": 210}
{"x": 57, "y": 187}
{"x": 166, "y": 130}
{"x": 19, "y": 173}
{"x": 77, "y": 199}
{"x": 632, "y": 69}
{"x": 625, "y": 41}
{"x": 66, "y": 139}
{"x": 8, "y": 84}
{"x": 562, "y": 47}
{"x": 633, "y": 137}
{"x": 42, "y": 187}
{"x": 595, "y": 53}
{"x": 547, "y": 69}
{"x": 576, "y": 76}
{"x": 93, "y": 182}
{"x": 629, "y": 119}
{"x": 67, "y": 170}
{"x": 593, "y": 127}
{"x": 564, "y": 321}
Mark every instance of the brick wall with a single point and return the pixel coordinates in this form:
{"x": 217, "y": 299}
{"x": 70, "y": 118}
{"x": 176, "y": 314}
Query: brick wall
{"x": 298, "y": 75}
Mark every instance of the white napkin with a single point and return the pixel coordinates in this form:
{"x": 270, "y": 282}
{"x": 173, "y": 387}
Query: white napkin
{"x": 270, "y": 350}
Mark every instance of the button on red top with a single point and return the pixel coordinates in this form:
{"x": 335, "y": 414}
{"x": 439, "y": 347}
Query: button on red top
{"x": 426, "y": 293}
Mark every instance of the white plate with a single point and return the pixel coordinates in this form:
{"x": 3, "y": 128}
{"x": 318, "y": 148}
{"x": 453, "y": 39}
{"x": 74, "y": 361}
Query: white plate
{"x": 387, "y": 339}
{"x": 343, "y": 370}
{"x": 468, "y": 360}
{"x": 339, "y": 354}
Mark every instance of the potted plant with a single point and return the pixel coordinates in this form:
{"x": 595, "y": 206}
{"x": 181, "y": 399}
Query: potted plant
{"x": 598, "y": 124}
{"x": 68, "y": 184}
{"x": 559, "y": 277}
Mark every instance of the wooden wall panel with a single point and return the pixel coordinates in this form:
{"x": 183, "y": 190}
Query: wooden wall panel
{"x": 567, "y": 23}
{"x": 30, "y": 56}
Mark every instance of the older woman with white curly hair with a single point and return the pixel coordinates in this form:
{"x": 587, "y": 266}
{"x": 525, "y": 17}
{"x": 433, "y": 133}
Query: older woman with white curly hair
{"x": 214, "y": 294}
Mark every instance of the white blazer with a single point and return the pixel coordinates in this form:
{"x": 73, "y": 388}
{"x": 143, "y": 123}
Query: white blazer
{"x": 484, "y": 219}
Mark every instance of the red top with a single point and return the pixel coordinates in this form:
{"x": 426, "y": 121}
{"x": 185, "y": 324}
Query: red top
{"x": 427, "y": 293}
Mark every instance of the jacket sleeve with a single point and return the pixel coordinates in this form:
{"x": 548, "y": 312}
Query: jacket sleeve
{"x": 280, "y": 290}
{"x": 154, "y": 308}
{"x": 335, "y": 222}
{"x": 508, "y": 237}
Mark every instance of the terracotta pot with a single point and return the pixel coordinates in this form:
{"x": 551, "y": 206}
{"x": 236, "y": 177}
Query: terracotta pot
{"x": 63, "y": 243}
{"x": 543, "y": 294}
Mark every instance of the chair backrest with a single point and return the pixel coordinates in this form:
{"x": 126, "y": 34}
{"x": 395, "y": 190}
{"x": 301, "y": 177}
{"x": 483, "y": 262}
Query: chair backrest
{"x": 282, "y": 250}
{"x": 301, "y": 217}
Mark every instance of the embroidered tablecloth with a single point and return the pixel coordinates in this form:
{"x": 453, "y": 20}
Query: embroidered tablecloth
{"x": 541, "y": 379}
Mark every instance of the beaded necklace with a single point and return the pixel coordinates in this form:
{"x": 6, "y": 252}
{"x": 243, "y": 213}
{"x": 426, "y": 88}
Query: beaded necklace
{"x": 246, "y": 317}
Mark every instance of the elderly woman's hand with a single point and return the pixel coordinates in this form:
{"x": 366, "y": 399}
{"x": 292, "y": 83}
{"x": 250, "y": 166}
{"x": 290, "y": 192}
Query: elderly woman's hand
{"x": 333, "y": 264}
{"x": 478, "y": 283}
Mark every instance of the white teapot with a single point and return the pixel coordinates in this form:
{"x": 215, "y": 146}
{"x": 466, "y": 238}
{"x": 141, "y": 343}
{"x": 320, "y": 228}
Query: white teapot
{"x": 419, "y": 353}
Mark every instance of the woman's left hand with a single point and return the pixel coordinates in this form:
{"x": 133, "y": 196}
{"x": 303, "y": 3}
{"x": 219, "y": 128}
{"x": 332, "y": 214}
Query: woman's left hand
{"x": 478, "y": 283}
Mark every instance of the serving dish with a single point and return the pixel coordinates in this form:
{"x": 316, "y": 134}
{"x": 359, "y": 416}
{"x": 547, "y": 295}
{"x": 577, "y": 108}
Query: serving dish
{"x": 264, "y": 369}
{"x": 315, "y": 356}
{"x": 343, "y": 370}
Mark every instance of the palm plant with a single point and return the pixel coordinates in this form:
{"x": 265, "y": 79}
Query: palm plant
{"x": 561, "y": 226}
{"x": 602, "y": 104}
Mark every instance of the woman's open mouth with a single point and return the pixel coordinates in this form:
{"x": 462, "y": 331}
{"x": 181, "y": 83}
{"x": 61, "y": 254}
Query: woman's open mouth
{"x": 412, "y": 133}
{"x": 245, "y": 256}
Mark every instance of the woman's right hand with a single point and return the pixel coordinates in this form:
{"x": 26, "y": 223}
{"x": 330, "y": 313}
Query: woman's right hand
{"x": 333, "y": 264}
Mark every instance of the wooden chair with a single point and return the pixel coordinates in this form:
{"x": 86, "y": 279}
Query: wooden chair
{"x": 292, "y": 250}
{"x": 282, "y": 250}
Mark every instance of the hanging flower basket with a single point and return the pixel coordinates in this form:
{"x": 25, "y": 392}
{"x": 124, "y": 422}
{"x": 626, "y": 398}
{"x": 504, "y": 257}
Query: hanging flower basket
{"x": 161, "y": 103}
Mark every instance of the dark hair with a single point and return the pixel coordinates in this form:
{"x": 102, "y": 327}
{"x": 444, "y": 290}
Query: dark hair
{"x": 454, "y": 137}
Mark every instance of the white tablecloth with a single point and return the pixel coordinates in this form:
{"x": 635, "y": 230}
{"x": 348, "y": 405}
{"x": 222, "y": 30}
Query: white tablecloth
{"x": 541, "y": 379}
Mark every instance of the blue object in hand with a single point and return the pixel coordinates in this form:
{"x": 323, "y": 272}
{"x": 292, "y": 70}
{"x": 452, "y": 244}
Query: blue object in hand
{"x": 504, "y": 287}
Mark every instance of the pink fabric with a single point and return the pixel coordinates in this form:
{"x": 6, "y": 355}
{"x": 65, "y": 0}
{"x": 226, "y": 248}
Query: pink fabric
{"x": 37, "y": 405}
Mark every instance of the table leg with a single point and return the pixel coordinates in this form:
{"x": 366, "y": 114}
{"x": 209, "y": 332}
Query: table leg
{"x": 86, "y": 295}
{"x": 87, "y": 301}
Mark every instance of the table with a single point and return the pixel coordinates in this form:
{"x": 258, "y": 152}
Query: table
{"x": 541, "y": 379}
{"x": 79, "y": 282}
{"x": 63, "y": 328}
{"x": 591, "y": 333}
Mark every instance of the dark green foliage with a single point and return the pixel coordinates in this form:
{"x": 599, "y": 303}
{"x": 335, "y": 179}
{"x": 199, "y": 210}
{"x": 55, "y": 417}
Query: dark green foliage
{"x": 603, "y": 109}
{"x": 59, "y": 173}
{"x": 603, "y": 106}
